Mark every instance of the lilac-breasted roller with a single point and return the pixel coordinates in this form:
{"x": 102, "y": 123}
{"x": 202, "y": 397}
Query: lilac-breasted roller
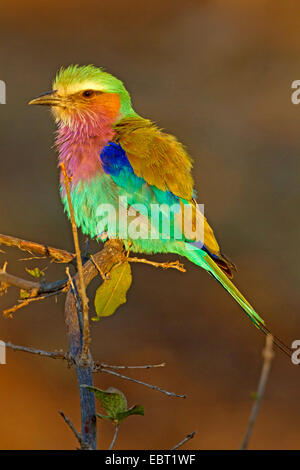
{"x": 112, "y": 154}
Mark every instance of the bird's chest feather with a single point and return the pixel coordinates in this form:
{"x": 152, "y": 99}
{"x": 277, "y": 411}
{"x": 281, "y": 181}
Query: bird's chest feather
{"x": 88, "y": 200}
{"x": 90, "y": 186}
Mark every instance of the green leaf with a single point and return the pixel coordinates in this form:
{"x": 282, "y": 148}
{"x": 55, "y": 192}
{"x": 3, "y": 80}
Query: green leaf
{"x": 134, "y": 410}
{"x": 114, "y": 402}
{"x": 112, "y": 292}
{"x": 35, "y": 272}
{"x": 99, "y": 415}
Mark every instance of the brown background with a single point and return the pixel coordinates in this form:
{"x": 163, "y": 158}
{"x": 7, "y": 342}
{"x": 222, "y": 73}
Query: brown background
{"x": 218, "y": 75}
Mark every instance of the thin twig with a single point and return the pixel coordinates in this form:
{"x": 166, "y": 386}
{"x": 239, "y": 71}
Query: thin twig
{"x": 268, "y": 355}
{"x": 148, "y": 366}
{"x": 23, "y": 303}
{"x": 130, "y": 379}
{"x": 102, "y": 274}
{"x": 63, "y": 355}
{"x": 114, "y": 438}
{"x": 96, "y": 367}
{"x": 83, "y": 444}
{"x": 35, "y": 290}
{"x": 186, "y": 439}
{"x": 39, "y": 352}
{"x": 9, "y": 311}
{"x": 61, "y": 256}
{"x": 81, "y": 287}
{"x": 167, "y": 265}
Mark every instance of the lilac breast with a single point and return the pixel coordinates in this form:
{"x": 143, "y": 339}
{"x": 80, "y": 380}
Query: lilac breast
{"x": 80, "y": 152}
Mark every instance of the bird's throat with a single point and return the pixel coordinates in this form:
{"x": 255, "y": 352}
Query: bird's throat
{"x": 79, "y": 150}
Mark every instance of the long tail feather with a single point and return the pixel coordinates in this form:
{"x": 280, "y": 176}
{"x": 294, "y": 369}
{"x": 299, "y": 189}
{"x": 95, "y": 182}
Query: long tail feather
{"x": 201, "y": 258}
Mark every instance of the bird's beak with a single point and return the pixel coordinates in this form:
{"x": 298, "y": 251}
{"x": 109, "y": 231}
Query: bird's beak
{"x": 51, "y": 98}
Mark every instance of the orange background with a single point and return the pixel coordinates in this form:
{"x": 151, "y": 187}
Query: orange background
{"x": 218, "y": 75}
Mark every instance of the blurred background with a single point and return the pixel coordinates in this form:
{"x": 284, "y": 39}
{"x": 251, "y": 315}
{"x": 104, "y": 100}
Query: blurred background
{"x": 217, "y": 75}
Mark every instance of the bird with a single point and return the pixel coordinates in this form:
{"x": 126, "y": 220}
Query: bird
{"x": 112, "y": 154}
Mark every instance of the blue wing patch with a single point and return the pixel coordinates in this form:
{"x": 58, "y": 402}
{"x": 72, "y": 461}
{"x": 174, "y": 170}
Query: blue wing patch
{"x": 116, "y": 164}
{"x": 114, "y": 159}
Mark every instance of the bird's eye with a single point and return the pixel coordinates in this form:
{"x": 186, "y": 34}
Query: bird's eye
{"x": 88, "y": 93}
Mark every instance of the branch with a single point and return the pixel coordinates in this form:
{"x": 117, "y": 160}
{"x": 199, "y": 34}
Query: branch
{"x": 8, "y": 313}
{"x": 83, "y": 445}
{"x": 95, "y": 368}
{"x": 136, "y": 381}
{"x": 60, "y": 256}
{"x": 167, "y": 265}
{"x": 148, "y": 366}
{"x": 39, "y": 352}
{"x": 115, "y": 437}
{"x": 81, "y": 286}
{"x": 111, "y": 254}
{"x": 268, "y": 357}
{"x": 19, "y": 282}
{"x": 103, "y": 276}
{"x": 186, "y": 439}
{"x": 36, "y": 290}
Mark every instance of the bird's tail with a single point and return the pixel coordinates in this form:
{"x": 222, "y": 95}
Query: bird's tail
{"x": 202, "y": 259}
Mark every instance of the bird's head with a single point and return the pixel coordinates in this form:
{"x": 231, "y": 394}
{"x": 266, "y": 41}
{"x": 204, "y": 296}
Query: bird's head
{"x": 86, "y": 95}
